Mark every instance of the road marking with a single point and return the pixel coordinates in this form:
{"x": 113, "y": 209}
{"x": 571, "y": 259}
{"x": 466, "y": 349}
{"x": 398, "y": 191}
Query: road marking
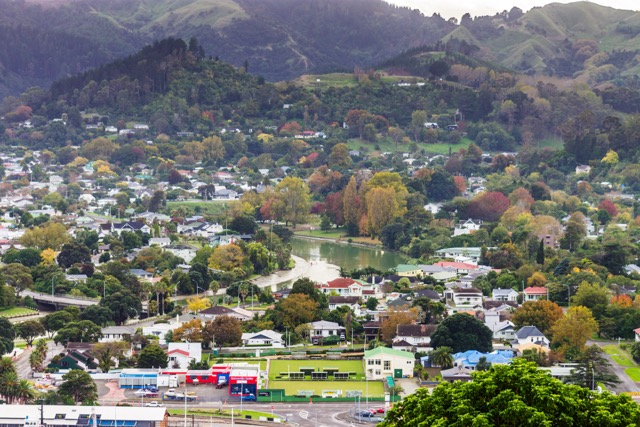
{"x": 304, "y": 414}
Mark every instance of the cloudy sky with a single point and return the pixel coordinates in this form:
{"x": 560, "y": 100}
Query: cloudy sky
{"x": 448, "y": 9}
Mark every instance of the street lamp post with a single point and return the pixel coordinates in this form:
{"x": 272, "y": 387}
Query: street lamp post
{"x": 185, "y": 402}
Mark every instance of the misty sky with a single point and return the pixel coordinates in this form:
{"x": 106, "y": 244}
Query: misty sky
{"x": 447, "y": 9}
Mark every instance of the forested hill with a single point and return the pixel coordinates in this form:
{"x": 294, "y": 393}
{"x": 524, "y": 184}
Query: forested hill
{"x": 278, "y": 39}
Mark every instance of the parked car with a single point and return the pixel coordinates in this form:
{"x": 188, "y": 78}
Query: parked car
{"x": 248, "y": 398}
{"x": 366, "y": 414}
{"x": 154, "y": 405}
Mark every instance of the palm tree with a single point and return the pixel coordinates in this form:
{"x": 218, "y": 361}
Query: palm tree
{"x": 6, "y": 365}
{"x": 9, "y": 384}
{"x": 24, "y": 393}
{"x": 441, "y": 357}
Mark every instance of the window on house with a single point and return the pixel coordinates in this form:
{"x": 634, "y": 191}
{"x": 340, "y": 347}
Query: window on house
{"x": 387, "y": 365}
{"x": 377, "y": 361}
{"x": 377, "y": 371}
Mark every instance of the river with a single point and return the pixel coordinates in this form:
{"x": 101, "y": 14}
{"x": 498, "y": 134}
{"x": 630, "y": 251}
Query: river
{"x": 343, "y": 255}
{"x": 320, "y": 260}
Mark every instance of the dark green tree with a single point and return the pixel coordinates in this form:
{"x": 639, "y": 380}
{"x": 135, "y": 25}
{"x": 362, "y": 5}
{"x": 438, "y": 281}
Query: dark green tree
{"x": 7, "y": 335}
{"x": 540, "y": 253}
{"x": 79, "y": 387}
{"x": 82, "y": 331}
{"x": 30, "y": 330}
{"x": 99, "y": 315}
{"x": 593, "y": 368}
{"x": 462, "y": 332}
{"x": 73, "y": 253}
{"x": 123, "y": 304}
{"x": 512, "y": 395}
{"x": 152, "y": 356}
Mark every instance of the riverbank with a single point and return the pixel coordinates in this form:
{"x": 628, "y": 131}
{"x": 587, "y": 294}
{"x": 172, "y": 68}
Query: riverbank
{"x": 318, "y": 271}
{"x": 338, "y": 240}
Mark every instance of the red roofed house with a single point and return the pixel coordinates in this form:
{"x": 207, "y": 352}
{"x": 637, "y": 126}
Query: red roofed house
{"x": 181, "y": 353}
{"x": 637, "y": 331}
{"x": 461, "y": 267}
{"x": 343, "y": 287}
{"x": 535, "y": 293}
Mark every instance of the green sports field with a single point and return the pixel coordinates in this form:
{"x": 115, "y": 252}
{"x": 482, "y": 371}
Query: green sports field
{"x": 278, "y": 366}
{"x": 370, "y": 388}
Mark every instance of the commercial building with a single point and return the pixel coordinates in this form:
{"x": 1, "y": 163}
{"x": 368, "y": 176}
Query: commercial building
{"x": 73, "y": 416}
{"x": 382, "y": 362}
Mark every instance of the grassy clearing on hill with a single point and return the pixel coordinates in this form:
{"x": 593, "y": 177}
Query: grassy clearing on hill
{"x": 211, "y": 207}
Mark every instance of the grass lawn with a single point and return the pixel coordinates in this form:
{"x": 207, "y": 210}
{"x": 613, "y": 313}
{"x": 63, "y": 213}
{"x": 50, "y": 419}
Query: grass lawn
{"x": 278, "y": 366}
{"x": 17, "y": 311}
{"x": 619, "y": 356}
{"x": 634, "y": 373}
{"x": 212, "y": 207}
{"x": 386, "y": 145}
{"x": 374, "y": 388}
{"x": 555, "y": 143}
{"x": 216, "y": 413}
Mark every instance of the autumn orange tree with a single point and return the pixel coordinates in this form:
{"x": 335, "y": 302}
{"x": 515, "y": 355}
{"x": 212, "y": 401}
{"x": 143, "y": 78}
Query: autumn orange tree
{"x": 295, "y": 310}
{"x": 542, "y": 314}
{"x": 400, "y": 316}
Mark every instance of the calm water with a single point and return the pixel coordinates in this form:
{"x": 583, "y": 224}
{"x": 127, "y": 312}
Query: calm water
{"x": 346, "y": 256}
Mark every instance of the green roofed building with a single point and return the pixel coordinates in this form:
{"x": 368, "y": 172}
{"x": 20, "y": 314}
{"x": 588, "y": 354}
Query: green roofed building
{"x": 382, "y": 362}
{"x": 408, "y": 270}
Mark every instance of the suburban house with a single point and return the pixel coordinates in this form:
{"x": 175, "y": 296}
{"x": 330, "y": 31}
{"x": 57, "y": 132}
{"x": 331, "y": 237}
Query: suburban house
{"x": 530, "y": 335}
{"x": 467, "y": 227}
{"x": 467, "y": 297}
{"x": 382, "y": 362}
{"x": 218, "y": 310}
{"x": 323, "y": 329}
{"x": 339, "y": 301}
{"x": 470, "y": 358}
{"x": 459, "y": 267}
{"x": 637, "y": 333}
{"x": 535, "y": 293}
{"x": 116, "y": 333}
{"x": 130, "y": 226}
{"x": 503, "y": 329}
{"x": 263, "y": 338}
{"x": 182, "y": 353}
{"x": 461, "y": 254}
{"x": 409, "y": 270}
{"x": 371, "y": 330}
{"x": 159, "y": 330}
{"x": 504, "y": 295}
{"x": 186, "y": 252}
{"x": 159, "y": 241}
{"x": 343, "y": 287}
{"x": 413, "y": 337}
{"x": 77, "y": 356}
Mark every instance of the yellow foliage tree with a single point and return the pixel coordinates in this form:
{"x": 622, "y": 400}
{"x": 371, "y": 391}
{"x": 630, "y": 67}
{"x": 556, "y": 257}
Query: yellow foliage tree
{"x": 537, "y": 279}
{"x": 226, "y": 257}
{"x": 197, "y": 304}
{"x": 572, "y": 331}
{"x": 52, "y": 235}
{"x": 48, "y": 256}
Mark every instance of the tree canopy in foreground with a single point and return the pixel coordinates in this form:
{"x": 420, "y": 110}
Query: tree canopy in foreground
{"x": 515, "y": 395}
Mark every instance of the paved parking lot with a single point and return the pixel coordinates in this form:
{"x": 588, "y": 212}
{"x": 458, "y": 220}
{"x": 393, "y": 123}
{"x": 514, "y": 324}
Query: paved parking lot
{"x": 108, "y": 392}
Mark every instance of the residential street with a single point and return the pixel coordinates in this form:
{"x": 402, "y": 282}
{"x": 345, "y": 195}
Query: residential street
{"x": 626, "y": 384}
{"x": 22, "y": 363}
